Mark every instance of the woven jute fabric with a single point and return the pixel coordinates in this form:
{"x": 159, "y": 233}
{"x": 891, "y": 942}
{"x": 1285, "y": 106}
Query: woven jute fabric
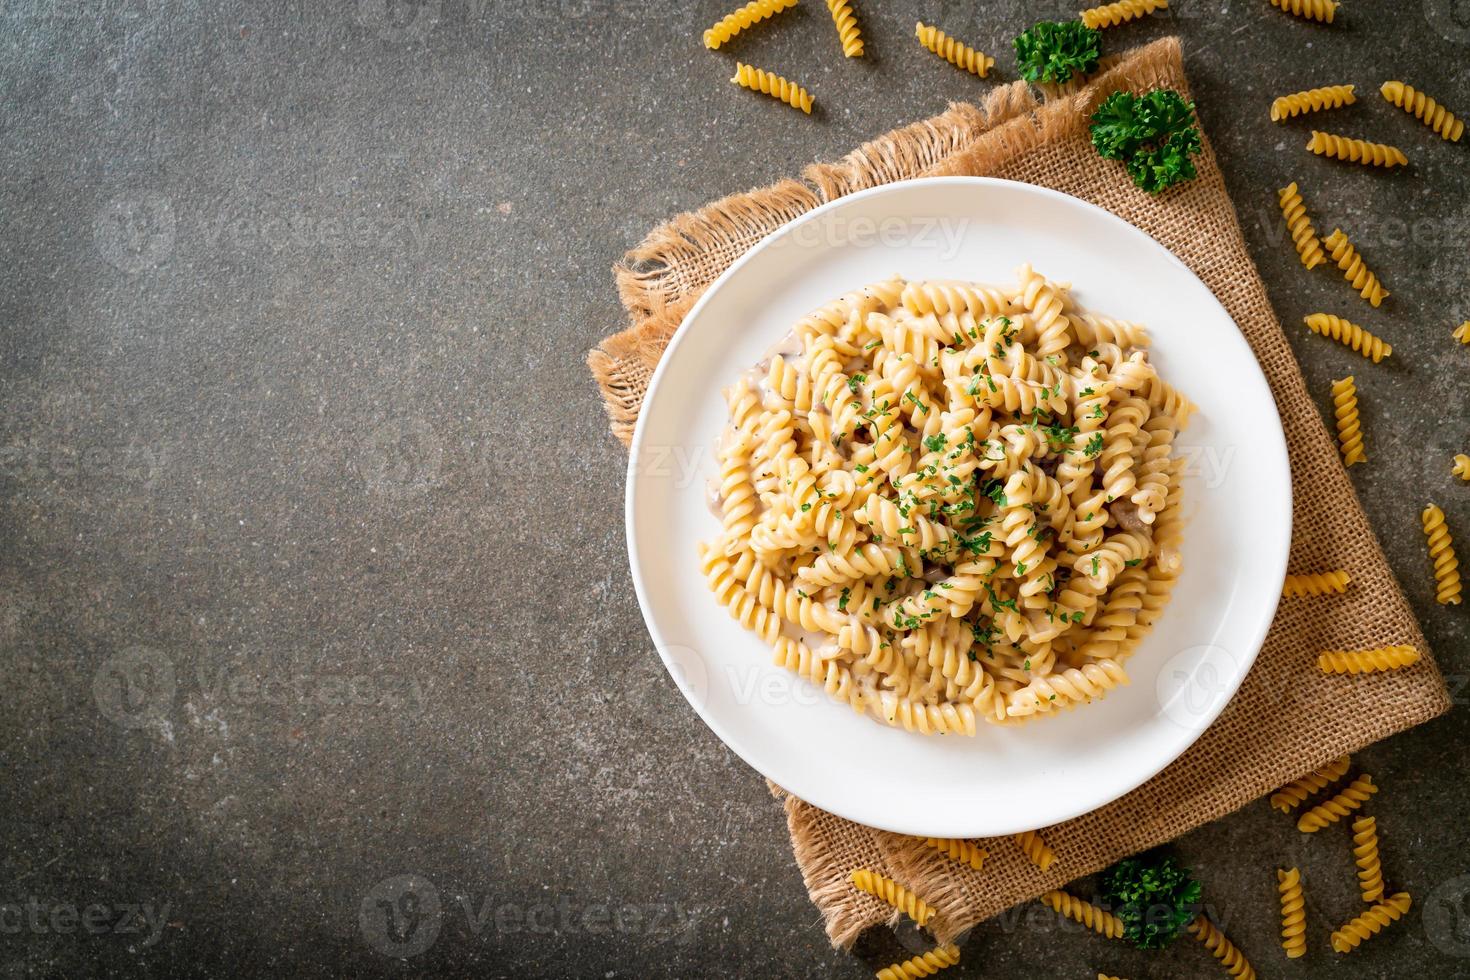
{"x": 1287, "y": 717}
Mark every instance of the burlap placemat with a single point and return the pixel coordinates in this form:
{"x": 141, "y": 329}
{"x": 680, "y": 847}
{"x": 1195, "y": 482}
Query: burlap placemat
{"x": 1288, "y": 717}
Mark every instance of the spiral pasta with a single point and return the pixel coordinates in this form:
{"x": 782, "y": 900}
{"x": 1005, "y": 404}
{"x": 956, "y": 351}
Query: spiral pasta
{"x": 1356, "y": 150}
{"x": 1312, "y": 100}
{"x": 1442, "y": 553}
{"x": 769, "y": 83}
{"x": 959, "y": 850}
{"x": 733, "y": 23}
{"x": 1367, "y": 661}
{"x": 1097, "y": 919}
{"x": 847, "y": 27}
{"x": 1293, "y": 915}
{"x": 923, "y": 965}
{"x": 1332, "y": 810}
{"x": 1292, "y": 795}
{"x": 1323, "y": 10}
{"x": 1462, "y": 332}
{"x": 1315, "y": 584}
{"x": 1370, "y": 923}
{"x": 1365, "y": 856}
{"x": 957, "y": 53}
{"x": 1349, "y": 334}
{"x": 1349, "y": 429}
{"x": 1036, "y": 849}
{"x": 1425, "y": 109}
{"x": 1221, "y": 948}
{"x": 1353, "y": 269}
{"x": 1462, "y": 467}
{"x": 1112, "y": 14}
{"x": 1303, "y": 235}
{"x": 894, "y": 894}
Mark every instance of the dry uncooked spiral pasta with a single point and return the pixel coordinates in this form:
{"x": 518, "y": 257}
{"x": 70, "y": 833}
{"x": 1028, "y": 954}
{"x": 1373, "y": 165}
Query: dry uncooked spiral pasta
{"x": 1312, "y": 100}
{"x": 959, "y": 850}
{"x": 752, "y": 13}
{"x": 1425, "y": 109}
{"x": 1367, "y": 661}
{"x": 1353, "y": 268}
{"x": 1462, "y": 332}
{"x": 1303, "y": 235}
{"x": 1462, "y": 467}
{"x": 1349, "y": 334}
{"x": 1036, "y": 849}
{"x": 1315, "y": 584}
{"x": 1371, "y": 922}
{"x": 1365, "y": 856}
{"x": 1111, "y": 14}
{"x": 1356, "y": 150}
{"x": 957, "y": 53}
{"x": 1294, "y": 793}
{"x": 1349, "y": 428}
{"x": 1221, "y": 948}
{"x": 1293, "y": 916}
{"x": 847, "y": 27}
{"x": 894, "y": 894}
{"x": 1323, "y": 10}
{"x": 923, "y": 965}
{"x": 1442, "y": 553}
{"x": 1097, "y": 919}
{"x": 758, "y": 80}
{"x": 1350, "y": 798}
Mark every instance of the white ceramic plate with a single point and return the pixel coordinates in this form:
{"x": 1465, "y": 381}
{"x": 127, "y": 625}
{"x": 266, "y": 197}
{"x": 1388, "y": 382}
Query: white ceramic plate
{"x": 1237, "y": 499}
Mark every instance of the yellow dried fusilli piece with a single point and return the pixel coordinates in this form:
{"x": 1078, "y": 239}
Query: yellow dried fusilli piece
{"x": 1462, "y": 332}
{"x": 1036, "y": 849}
{"x": 1323, "y": 10}
{"x": 1315, "y": 584}
{"x": 957, "y": 53}
{"x": 894, "y": 894}
{"x": 1349, "y": 334}
{"x": 1367, "y": 661}
{"x": 752, "y": 13}
{"x": 1462, "y": 467}
{"x": 847, "y": 27}
{"x": 1303, "y": 235}
{"x": 773, "y": 85}
{"x": 1356, "y": 150}
{"x": 1349, "y": 428}
{"x": 1293, "y": 916}
{"x": 1112, "y": 14}
{"x": 1353, "y": 268}
{"x": 959, "y": 850}
{"x": 1098, "y": 920}
{"x": 1425, "y": 109}
{"x": 1312, "y": 100}
{"x": 924, "y": 965}
{"x": 1291, "y": 796}
{"x": 1442, "y": 553}
{"x": 1371, "y": 922}
{"x": 1221, "y": 948}
{"x": 1365, "y": 856}
{"x": 1331, "y": 811}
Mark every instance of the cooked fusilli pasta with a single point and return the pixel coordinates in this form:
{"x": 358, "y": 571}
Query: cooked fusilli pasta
{"x": 1112, "y": 14}
{"x": 1349, "y": 428}
{"x": 1365, "y": 856}
{"x": 752, "y": 13}
{"x": 1293, "y": 915}
{"x": 923, "y": 965}
{"x": 957, "y": 53}
{"x": 1442, "y": 553}
{"x": 847, "y": 27}
{"x": 1353, "y": 268}
{"x": 1356, "y": 150}
{"x": 1315, "y": 584}
{"x": 1294, "y": 793}
{"x": 1349, "y": 334}
{"x": 1332, "y": 810}
{"x": 1303, "y": 235}
{"x": 942, "y": 502}
{"x": 1371, "y": 922}
{"x": 1221, "y": 948}
{"x": 1425, "y": 109}
{"x": 894, "y": 894}
{"x": 1036, "y": 849}
{"x": 1312, "y": 100}
{"x": 1461, "y": 467}
{"x": 959, "y": 850}
{"x": 769, "y": 83}
{"x": 1367, "y": 661}
{"x": 1097, "y": 919}
{"x": 1323, "y": 10}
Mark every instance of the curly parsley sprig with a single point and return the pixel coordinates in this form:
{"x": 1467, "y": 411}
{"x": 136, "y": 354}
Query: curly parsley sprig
{"x": 1154, "y": 897}
{"x": 1052, "y": 52}
{"x": 1154, "y": 134}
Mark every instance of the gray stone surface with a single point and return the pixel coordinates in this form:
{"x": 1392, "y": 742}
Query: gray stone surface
{"x": 313, "y": 572}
